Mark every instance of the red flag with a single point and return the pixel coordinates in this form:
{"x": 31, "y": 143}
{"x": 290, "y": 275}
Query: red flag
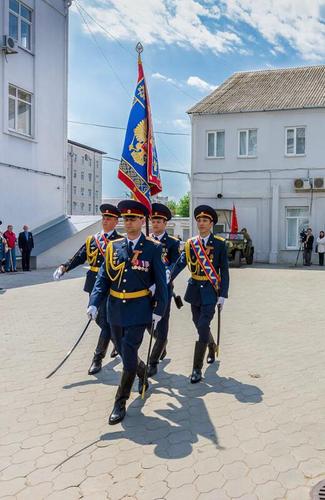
{"x": 234, "y": 221}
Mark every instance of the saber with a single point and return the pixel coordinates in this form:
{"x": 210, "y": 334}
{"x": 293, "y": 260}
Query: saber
{"x": 71, "y": 350}
{"x": 152, "y": 330}
{"x": 219, "y": 328}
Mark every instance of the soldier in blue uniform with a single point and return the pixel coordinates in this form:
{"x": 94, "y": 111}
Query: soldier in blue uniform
{"x": 93, "y": 251}
{"x": 206, "y": 257}
{"x": 132, "y": 265}
{"x": 170, "y": 251}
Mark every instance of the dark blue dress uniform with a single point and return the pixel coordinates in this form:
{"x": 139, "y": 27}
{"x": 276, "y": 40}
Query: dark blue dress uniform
{"x": 200, "y": 292}
{"x": 93, "y": 252}
{"x": 171, "y": 253}
{"x": 125, "y": 278}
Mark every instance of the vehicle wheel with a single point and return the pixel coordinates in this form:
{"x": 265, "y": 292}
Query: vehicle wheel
{"x": 250, "y": 258}
{"x": 237, "y": 258}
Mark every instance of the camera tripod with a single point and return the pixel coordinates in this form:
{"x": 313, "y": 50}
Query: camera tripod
{"x": 301, "y": 245}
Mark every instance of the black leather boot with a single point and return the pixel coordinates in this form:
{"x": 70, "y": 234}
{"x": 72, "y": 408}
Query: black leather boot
{"x": 140, "y": 372}
{"x": 99, "y": 354}
{"x": 114, "y": 353}
{"x": 156, "y": 353}
{"x": 211, "y": 350}
{"x": 199, "y": 352}
{"x": 122, "y": 395}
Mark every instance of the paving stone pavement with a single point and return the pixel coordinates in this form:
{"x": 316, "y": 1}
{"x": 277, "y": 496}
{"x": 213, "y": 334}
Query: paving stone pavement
{"x": 253, "y": 429}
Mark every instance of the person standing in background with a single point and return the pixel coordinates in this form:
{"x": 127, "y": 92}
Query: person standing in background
{"x": 308, "y": 247}
{"x": 11, "y": 253}
{"x": 321, "y": 247}
{"x": 26, "y": 245}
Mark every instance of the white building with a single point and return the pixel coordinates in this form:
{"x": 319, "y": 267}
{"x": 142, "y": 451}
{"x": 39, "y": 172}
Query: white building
{"x": 258, "y": 142}
{"x": 33, "y": 111}
{"x": 84, "y": 179}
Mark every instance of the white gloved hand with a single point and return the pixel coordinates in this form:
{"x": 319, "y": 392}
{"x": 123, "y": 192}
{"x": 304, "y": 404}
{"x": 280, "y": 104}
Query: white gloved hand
{"x": 58, "y": 273}
{"x": 152, "y": 289}
{"x": 155, "y": 319}
{"x": 168, "y": 275}
{"x": 92, "y": 312}
{"x": 220, "y": 303}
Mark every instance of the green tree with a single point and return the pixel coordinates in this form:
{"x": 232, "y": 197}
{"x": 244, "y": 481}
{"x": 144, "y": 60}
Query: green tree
{"x": 172, "y": 205}
{"x": 183, "y": 207}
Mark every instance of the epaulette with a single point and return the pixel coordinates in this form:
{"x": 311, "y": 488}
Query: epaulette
{"x": 117, "y": 239}
{"x": 149, "y": 238}
{"x": 220, "y": 238}
{"x": 173, "y": 237}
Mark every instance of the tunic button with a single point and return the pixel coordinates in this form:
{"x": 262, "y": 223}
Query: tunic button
{"x": 125, "y": 270}
{"x": 124, "y": 281}
{"x": 201, "y": 286}
{"x": 124, "y": 291}
{"x": 124, "y": 301}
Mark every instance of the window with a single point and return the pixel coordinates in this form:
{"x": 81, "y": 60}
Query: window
{"x": 295, "y": 141}
{"x": 89, "y": 177}
{"x": 82, "y": 191}
{"x": 89, "y": 207}
{"x": 82, "y": 175}
{"x": 96, "y": 209}
{"x": 20, "y": 110}
{"x": 247, "y": 143}
{"x": 82, "y": 206}
{"x": 74, "y": 189}
{"x": 20, "y": 23}
{"x": 297, "y": 219}
{"x": 97, "y": 164}
{"x": 96, "y": 194}
{"x": 75, "y": 174}
{"x": 89, "y": 192}
{"x": 74, "y": 157}
{"x": 75, "y": 204}
{"x": 216, "y": 144}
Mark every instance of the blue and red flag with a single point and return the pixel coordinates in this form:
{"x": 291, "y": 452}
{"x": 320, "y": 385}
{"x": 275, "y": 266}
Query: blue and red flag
{"x": 138, "y": 168}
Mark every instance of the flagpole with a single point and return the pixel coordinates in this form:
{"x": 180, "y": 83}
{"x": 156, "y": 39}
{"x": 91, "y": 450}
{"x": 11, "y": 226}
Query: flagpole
{"x": 139, "y": 49}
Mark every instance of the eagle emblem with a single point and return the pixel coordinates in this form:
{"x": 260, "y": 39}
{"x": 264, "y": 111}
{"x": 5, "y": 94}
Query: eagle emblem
{"x": 138, "y": 146}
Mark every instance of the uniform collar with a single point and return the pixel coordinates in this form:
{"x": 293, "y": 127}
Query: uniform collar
{"x": 108, "y": 235}
{"x": 206, "y": 239}
{"x": 135, "y": 242}
{"x": 159, "y": 237}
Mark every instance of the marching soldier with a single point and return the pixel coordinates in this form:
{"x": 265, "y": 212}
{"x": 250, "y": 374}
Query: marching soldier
{"x": 206, "y": 257}
{"x": 170, "y": 251}
{"x": 132, "y": 265}
{"x": 94, "y": 252}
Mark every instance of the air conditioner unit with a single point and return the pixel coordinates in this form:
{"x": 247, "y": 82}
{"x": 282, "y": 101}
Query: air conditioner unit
{"x": 9, "y": 45}
{"x": 302, "y": 184}
{"x": 319, "y": 183}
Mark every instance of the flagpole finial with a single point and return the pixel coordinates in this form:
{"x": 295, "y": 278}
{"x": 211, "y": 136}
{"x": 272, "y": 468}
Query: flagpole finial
{"x": 139, "y": 48}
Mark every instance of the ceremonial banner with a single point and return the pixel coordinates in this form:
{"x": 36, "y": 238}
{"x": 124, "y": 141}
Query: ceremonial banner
{"x": 138, "y": 168}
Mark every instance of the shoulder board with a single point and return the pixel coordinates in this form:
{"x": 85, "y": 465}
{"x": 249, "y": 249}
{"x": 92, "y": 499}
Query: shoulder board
{"x": 220, "y": 238}
{"x": 117, "y": 240}
{"x": 149, "y": 238}
{"x": 173, "y": 237}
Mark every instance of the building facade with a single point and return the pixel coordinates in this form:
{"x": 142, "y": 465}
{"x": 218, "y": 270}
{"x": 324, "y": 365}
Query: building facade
{"x": 258, "y": 143}
{"x": 33, "y": 111}
{"x": 84, "y": 179}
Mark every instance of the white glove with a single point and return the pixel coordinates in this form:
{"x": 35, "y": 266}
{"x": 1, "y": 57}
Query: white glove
{"x": 92, "y": 312}
{"x": 58, "y": 273}
{"x": 220, "y": 303}
{"x": 168, "y": 275}
{"x": 152, "y": 289}
{"x": 155, "y": 319}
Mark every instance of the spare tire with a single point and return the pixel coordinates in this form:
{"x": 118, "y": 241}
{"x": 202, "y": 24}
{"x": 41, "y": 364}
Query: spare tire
{"x": 237, "y": 258}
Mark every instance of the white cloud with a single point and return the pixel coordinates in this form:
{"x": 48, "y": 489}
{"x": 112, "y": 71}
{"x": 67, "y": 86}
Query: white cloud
{"x": 281, "y": 22}
{"x": 166, "y": 22}
{"x": 159, "y": 76}
{"x": 198, "y": 83}
{"x": 181, "y": 123}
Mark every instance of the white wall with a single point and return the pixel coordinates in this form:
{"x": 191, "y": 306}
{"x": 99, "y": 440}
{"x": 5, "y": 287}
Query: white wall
{"x": 27, "y": 196}
{"x": 250, "y": 183}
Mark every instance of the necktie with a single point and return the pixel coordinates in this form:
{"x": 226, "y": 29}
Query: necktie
{"x": 105, "y": 235}
{"x": 156, "y": 238}
{"x": 130, "y": 247}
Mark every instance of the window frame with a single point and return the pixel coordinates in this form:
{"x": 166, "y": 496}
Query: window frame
{"x": 21, "y": 19}
{"x": 247, "y": 130}
{"x": 16, "y": 100}
{"x": 287, "y": 217}
{"x": 294, "y": 154}
{"x": 215, "y": 132}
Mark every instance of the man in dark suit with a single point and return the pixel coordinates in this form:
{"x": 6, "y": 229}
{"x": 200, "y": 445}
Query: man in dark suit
{"x": 26, "y": 245}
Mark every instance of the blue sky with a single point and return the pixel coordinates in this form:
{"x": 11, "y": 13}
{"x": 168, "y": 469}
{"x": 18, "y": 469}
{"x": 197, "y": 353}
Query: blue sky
{"x": 190, "y": 47}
